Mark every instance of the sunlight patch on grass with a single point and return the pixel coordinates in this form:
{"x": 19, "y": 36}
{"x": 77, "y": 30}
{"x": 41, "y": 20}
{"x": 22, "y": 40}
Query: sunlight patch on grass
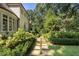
{"x": 60, "y": 51}
{"x": 65, "y": 50}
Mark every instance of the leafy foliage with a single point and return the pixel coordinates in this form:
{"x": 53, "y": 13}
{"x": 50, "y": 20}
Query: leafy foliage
{"x": 60, "y": 34}
{"x": 54, "y": 17}
{"x": 18, "y": 44}
{"x": 58, "y": 20}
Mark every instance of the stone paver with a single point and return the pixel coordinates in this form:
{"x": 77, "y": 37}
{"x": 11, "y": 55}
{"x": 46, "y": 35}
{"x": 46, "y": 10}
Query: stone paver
{"x": 35, "y": 53}
{"x": 45, "y": 50}
{"x": 37, "y": 47}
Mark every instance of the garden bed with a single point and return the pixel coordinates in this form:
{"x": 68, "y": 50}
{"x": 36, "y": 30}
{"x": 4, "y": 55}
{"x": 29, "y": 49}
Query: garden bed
{"x": 17, "y": 45}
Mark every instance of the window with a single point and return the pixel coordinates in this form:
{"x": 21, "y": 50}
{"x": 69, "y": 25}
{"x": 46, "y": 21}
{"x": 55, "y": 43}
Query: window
{"x": 13, "y": 24}
{"x": 17, "y": 24}
{"x": 10, "y": 24}
{"x": 5, "y": 24}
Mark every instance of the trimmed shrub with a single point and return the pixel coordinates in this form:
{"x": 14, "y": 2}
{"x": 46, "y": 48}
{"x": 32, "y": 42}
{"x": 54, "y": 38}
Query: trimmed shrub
{"x": 64, "y": 38}
{"x": 65, "y": 41}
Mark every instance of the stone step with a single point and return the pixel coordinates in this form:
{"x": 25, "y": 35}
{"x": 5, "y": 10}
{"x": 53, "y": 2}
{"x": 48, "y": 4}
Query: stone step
{"x": 40, "y": 44}
{"x": 38, "y": 40}
{"x": 37, "y": 47}
{"x": 35, "y": 53}
{"x": 43, "y": 47}
{"x": 47, "y": 52}
{"x": 44, "y": 53}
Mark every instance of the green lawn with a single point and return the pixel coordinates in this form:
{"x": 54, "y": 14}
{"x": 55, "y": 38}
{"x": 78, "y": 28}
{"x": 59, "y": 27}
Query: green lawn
{"x": 61, "y": 50}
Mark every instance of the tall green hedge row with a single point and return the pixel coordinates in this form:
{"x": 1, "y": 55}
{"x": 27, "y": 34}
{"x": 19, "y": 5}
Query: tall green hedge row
{"x": 65, "y": 38}
{"x": 65, "y": 41}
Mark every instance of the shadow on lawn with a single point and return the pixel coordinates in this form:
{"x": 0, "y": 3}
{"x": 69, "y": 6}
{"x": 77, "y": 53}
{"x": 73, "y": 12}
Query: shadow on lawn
{"x": 57, "y": 50}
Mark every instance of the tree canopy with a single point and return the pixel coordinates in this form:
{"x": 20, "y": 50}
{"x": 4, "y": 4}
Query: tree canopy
{"x": 54, "y": 17}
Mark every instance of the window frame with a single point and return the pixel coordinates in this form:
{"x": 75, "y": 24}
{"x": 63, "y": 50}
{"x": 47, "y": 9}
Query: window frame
{"x": 2, "y": 23}
{"x": 10, "y": 20}
{"x": 8, "y": 16}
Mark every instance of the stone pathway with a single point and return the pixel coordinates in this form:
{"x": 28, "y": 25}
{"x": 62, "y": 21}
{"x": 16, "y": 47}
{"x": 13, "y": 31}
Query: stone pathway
{"x": 41, "y": 51}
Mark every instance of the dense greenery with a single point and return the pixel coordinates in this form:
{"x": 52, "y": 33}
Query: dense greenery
{"x": 54, "y": 17}
{"x": 61, "y": 34}
{"x": 65, "y": 41}
{"x": 17, "y": 45}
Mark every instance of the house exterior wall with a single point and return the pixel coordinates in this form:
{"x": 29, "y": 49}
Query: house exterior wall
{"x": 24, "y": 20}
{"x": 0, "y": 21}
{"x": 2, "y": 11}
{"x": 16, "y": 10}
{"x": 21, "y": 13}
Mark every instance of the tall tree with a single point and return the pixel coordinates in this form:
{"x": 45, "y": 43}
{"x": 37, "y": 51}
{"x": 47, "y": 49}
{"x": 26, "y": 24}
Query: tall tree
{"x": 55, "y": 17}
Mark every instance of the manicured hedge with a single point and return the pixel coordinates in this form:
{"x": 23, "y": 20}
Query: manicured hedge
{"x": 65, "y": 38}
{"x": 65, "y": 41}
{"x": 17, "y": 45}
